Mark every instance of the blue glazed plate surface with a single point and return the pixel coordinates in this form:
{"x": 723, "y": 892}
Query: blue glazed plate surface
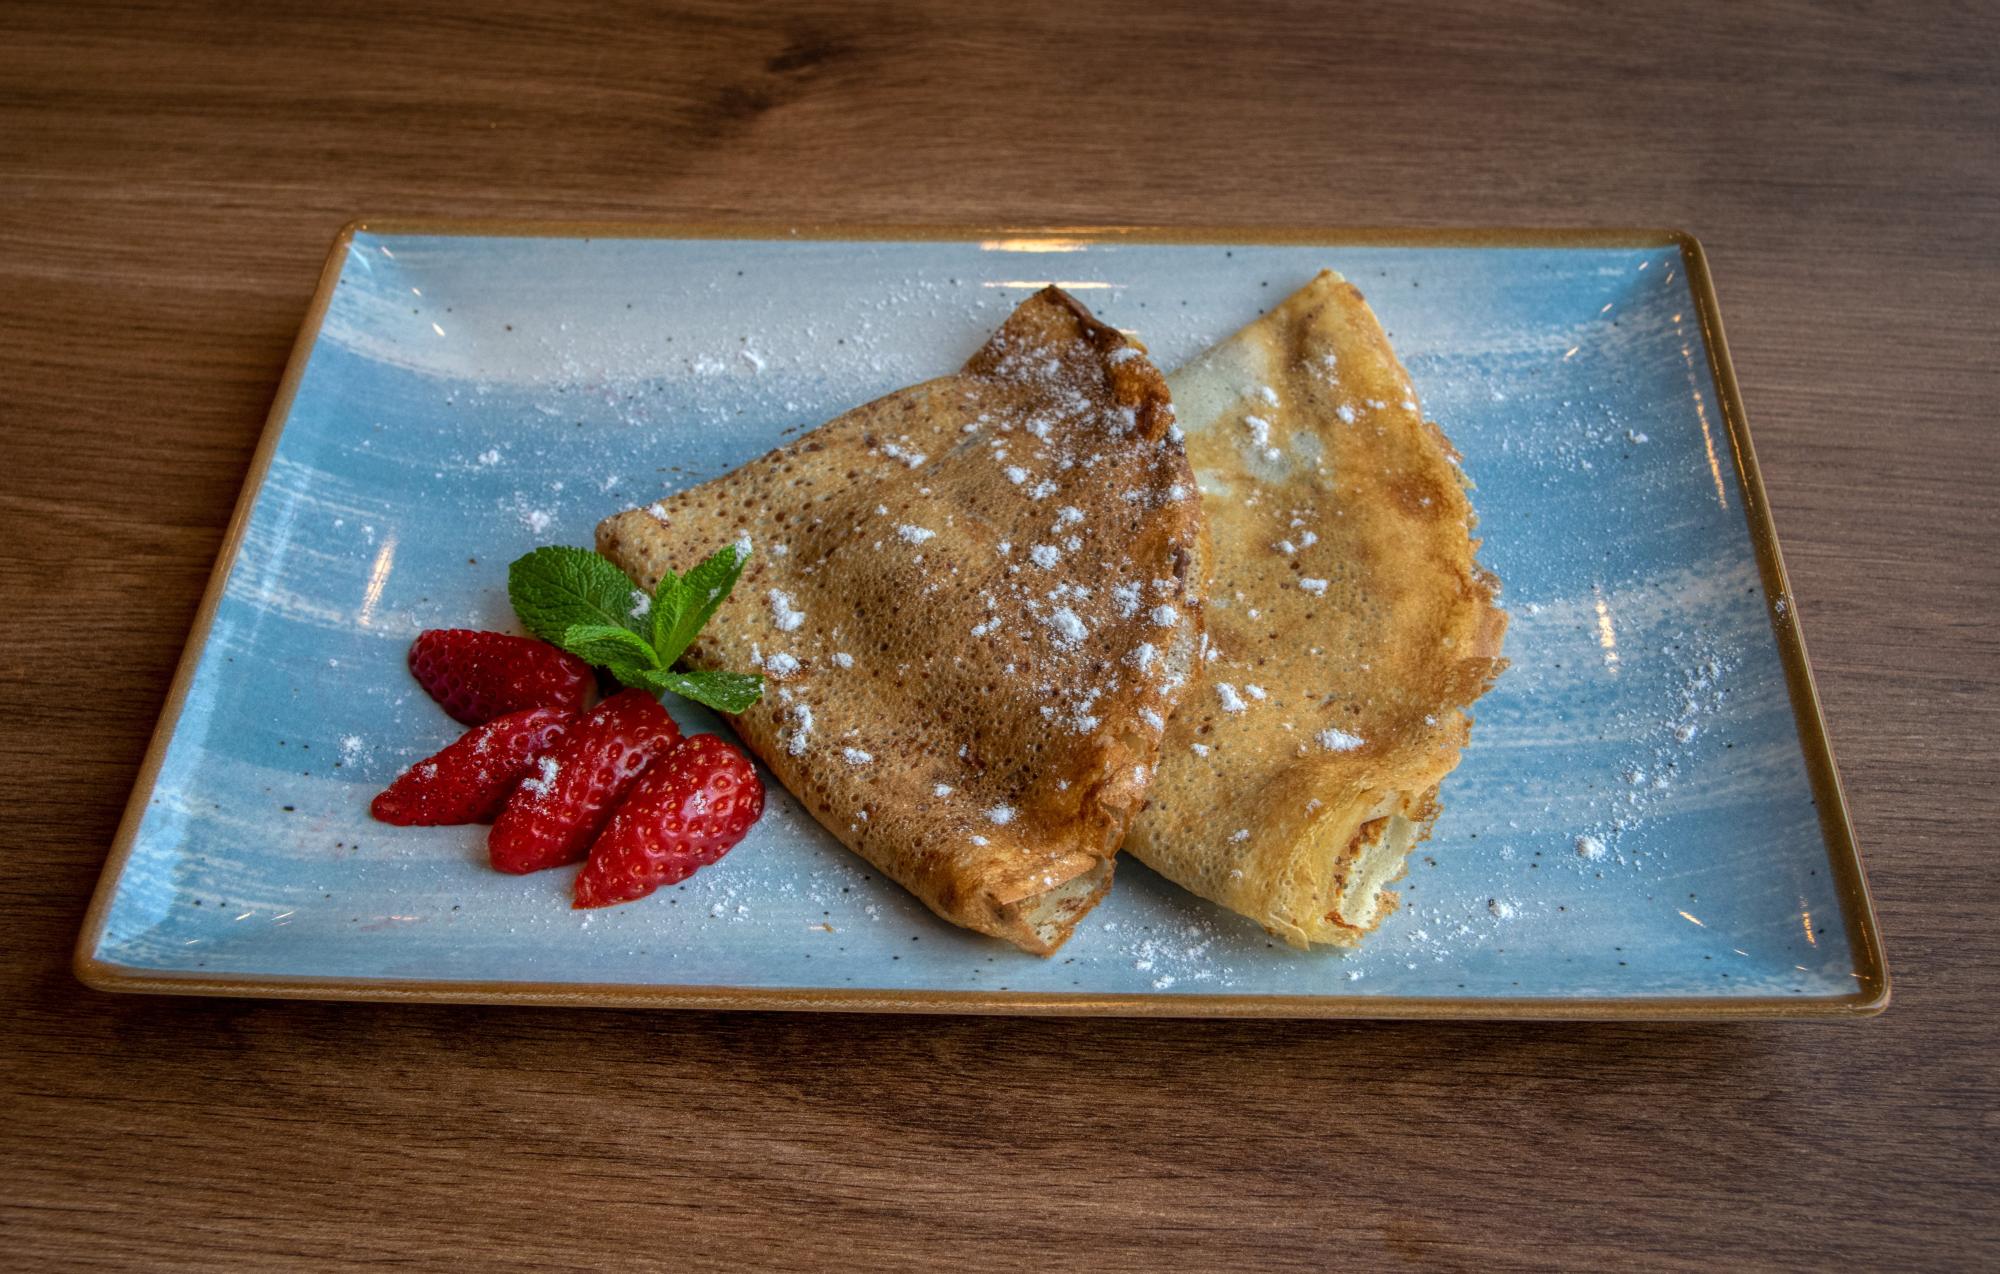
{"x": 1634, "y": 824}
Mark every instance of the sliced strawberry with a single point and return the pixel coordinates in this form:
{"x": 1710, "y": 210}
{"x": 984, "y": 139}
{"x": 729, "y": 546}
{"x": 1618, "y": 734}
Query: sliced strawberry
{"x": 469, "y": 780}
{"x": 553, "y": 816}
{"x": 479, "y": 676}
{"x": 690, "y": 809}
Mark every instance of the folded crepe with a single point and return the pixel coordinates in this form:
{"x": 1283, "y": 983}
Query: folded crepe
{"x": 976, "y": 602}
{"x": 1348, "y": 625}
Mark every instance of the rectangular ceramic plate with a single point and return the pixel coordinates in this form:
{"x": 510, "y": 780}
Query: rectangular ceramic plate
{"x": 462, "y": 394}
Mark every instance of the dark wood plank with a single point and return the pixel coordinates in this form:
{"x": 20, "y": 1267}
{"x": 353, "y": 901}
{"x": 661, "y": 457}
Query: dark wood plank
{"x": 169, "y": 179}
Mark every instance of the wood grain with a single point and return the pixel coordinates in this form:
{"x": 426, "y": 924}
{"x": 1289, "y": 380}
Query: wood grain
{"x": 169, "y": 179}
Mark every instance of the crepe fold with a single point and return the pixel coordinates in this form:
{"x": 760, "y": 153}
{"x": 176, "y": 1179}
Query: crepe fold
{"x": 1349, "y": 624}
{"x": 976, "y": 603}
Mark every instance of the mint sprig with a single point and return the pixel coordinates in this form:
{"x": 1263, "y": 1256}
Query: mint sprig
{"x": 578, "y": 600}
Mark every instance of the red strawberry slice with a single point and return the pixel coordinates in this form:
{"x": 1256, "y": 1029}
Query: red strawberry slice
{"x": 468, "y": 781}
{"x": 554, "y": 815}
{"x": 479, "y": 676}
{"x": 690, "y": 809}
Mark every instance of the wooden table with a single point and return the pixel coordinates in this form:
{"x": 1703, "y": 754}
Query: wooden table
{"x": 169, "y": 180}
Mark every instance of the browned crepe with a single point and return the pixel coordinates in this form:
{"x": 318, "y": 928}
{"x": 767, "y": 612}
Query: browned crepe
{"x": 1348, "y": 625}
{"x": 976, "y": 601}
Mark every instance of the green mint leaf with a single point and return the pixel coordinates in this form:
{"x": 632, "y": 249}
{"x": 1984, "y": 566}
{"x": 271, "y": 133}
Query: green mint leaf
{"x": 580, "y": 601}
{"x": 724, "y": 691}
{"x": 669, "y": 605}
{"x": 609, "y": 647}
{"x": 635, "y": 676}
{"x": 557, "y": 588}
{"x": 681, "y": 606}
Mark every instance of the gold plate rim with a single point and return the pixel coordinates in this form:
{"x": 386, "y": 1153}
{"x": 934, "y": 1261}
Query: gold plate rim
{"x": 1870, "y": 997}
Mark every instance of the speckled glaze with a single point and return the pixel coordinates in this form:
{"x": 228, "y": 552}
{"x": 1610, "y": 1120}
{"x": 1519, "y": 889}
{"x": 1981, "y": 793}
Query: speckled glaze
{"x": 1633, "y": 824}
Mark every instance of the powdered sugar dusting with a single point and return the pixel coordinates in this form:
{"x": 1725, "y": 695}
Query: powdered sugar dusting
{"x": 544, "y": 777}
{"x": 785, "y": 614}
{"x": 797, "y": 736}
{"x": 1066, "y": 628}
